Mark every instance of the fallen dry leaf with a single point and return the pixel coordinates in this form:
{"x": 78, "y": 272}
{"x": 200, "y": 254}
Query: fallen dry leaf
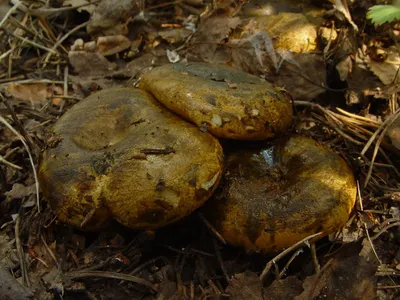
{"x": 111, "y": 17}
{"x": 89, "y": 8}
{"x": 287, "y": 288}
{"x": 245, "y": 286}
{"x": 350, "y": 277}
{"x": 19, "y": 191}
{"x": 394, "y": 132}
{"x": 210, "y": 34}
{"x": 109, "y": 45}
{"x": 90, "y": 64}
{"x": 387, "y": 70}
{"x": 36, "y": 93}
{"x": 174, "y": 35}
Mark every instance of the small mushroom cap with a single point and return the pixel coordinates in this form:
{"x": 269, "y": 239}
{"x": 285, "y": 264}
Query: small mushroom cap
{"x": 227, "y": 102}
{"x": 275, "y": 196}
{"x": 120, "y": 154}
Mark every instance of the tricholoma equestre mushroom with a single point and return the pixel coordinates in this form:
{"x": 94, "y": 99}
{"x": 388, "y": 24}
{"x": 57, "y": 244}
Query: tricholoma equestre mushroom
{"x": 274, "y": 195}
{"x": 121, "y": 154}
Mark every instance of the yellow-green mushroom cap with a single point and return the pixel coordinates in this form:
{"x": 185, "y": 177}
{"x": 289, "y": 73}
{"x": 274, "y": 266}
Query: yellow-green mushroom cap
{"x": 120, "y": 154}
{"x": 275, "y": 196}
{"x": 226, "y": 102}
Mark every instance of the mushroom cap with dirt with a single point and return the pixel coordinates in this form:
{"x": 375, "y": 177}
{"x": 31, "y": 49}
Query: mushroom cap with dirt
{"x": 120, "y": 154}
{"x": 273, "y": 196}
{"x": 226, "y": 102}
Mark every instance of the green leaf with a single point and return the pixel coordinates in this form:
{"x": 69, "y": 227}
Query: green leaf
{"x": 380, "y": 14}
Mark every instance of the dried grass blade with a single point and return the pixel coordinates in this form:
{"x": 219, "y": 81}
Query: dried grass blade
{"x": 22, "y": 139}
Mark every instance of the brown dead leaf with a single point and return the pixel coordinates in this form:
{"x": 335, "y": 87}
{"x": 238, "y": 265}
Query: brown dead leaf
{"x": 111, "y": 17}
{"x": 210, "y": 34}
{"x": 245, "y": 286}
{"x": 387, "y": 70}
{"x": 19, "y": 191}
{"x": 394, "y": 133}
{"x": 304, "y": 80}
{"x": 90, "y": 64}
{"x": 287, "y": 288}
{"x": 174, "y": 35}
{"x": 109, "y": 45}
{"x": 36, "y": 93}
{"x": 349, "y": 277}
{"x": 89, "y": 8}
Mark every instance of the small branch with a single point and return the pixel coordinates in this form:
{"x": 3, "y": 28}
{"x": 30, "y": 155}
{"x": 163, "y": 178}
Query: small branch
{"x": 273, "y": 261}
{"x": 113, "y": 275}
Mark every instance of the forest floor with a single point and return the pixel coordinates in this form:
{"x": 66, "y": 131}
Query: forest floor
{"x": 342, "y": 72}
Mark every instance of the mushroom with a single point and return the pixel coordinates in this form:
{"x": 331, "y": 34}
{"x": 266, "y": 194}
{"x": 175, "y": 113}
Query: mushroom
{"x": 273, "y": 196}
{"x": 120, "y": 154}
{"x": 226, "y": 102}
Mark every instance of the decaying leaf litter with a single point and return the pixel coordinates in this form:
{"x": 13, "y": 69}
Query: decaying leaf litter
{"x": 342, "y": 75}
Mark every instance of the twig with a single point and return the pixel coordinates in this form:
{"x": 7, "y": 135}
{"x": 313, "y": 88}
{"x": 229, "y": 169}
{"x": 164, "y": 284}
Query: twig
{"x": 317, "y": 267}
{"x": 211, "y": 228}
{"x": 368, "y": 144}
{"x": 45, "y": 12}
{"x": 113, "y": 275}
{"x": 385, "y": 127}
{"x": 9, "y": 13}
{"x": 49, "y": 251}
{"x": 20, "y": 251}
{"x": 220, "y": 261}
{"x": 372, "y": 245}
{"x": 22, "y": 139}
{"x": 10, "y": 164}
{"x": 295, "y": 254}
{"x": 23, "y": 39}
{"x": 385, "y": 229}
{"x": 61, "y": 40}
{"x": 283, "y": 253}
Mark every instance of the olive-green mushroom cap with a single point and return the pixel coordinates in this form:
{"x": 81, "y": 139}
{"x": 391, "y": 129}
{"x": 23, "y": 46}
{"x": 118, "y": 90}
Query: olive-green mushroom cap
{"x": 226, "y": 102}
{"x": 275, "y": 196}
{"x": 120, "y": 154}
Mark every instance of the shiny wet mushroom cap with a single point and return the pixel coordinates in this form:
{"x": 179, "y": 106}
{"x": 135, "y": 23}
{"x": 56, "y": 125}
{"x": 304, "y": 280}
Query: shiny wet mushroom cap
{"x": 226, "y": 102}
{"x": 275, "y": 196}
{"x": 120, "y": 154}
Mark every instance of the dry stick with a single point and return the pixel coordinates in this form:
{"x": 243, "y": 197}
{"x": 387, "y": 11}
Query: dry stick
{"x": 10, "y": 164}
{"x": 32, "y": 43}
{"x": 370, "y": 242}
{"x": 22, "y": 139}
{"x": 220, "y": 261}
{"x": 49, "y": 251}
{"x": 298, "y": 251}
{"x": 327, "y": 113}
{"x": 369, "y": 143}
{"x": 387, "y": 287}
{"x": 65, "y": 88}
{"x": 114, "y": 275}
{"x": 283, "y": 253}
{"x": 361, "y": 118}
{"x": 5, "y": 54}
{"x": 59, "y": 42}
{"x": 378, "y": 142}
{"x": 317, "y": 267}
{"x": 20, "y": 251}
{"x": 9, "y": 13}
{"x": 212, "y": 229}
{"x": 45, "y": 12}
{"x": 385, "y": 229}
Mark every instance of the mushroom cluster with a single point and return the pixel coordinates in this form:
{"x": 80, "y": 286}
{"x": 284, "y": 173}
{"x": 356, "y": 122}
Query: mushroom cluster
{"x": 137, "y": 156}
